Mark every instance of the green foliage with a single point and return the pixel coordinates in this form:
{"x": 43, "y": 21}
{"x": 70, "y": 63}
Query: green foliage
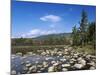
{"x": 85, "y": 34}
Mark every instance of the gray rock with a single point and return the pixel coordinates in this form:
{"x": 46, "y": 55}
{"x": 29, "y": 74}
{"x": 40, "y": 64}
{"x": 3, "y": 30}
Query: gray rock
{"x": 64, "y": 69}
{"x": 45, "y": 64}
{"x": 66, "y": 65}
{"x": 92, "y": 63}
{"x": 25, "y": 68}
{"x": 63, "y": 60}
{"x": 81, "y": 61}
{"x": 28, "y": 65}
{"x": 32, "y": 67}
{"x": 92, "y": 68}
{"x": 13, "y": 72}
{"x": 19, "y": 53}
{"x": 78, "y": 66}
{"x": 51, "y": 69}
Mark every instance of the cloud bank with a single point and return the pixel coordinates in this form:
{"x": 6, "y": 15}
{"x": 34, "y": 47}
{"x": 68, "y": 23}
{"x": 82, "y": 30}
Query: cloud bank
{"x": 37, "y": 32}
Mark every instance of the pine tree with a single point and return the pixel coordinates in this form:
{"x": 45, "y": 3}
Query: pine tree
{"x": 83, "y": 28}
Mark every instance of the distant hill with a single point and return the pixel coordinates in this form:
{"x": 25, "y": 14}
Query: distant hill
{"x": 60, "y": 35}
{"x": 51, "y": 39}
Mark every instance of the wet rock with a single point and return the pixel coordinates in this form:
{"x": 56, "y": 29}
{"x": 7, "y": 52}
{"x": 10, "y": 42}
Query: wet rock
{"x": 64, "y": 69}
{"x": 45, "y": 64}
{"x": 78, "y": 66}
{"x": 27, "y": 62}
{"x": 63, "y": 60}
{"x": 30, "y": 53}
{"x": 25, "y": 68}
{"x": 32, "y": 67}
{"x": 81, "y": 61}
{"x": 39, "y": 66}
{"x": 91, "y": 63}
{"x": 36, "y": 62}
{"x": 66, "y": 65}
{"x": 55, "y": 64}
{"x": 28, "y": 65}
{"x": 52, "y": 62}
{"x": 19, "y": 53}
{"x": 13, "y": 72}
{"x": 92, "y": 68}
{"x": 51, "y": 69}
{"x": 43, "y": 53}
{"x": 39, "y": 71}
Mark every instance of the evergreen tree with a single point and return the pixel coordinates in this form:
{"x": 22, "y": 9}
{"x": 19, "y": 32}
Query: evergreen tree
{"x": 83, "y": 28}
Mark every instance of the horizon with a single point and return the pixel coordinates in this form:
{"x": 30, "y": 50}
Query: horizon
{"x": 53, "y": 18}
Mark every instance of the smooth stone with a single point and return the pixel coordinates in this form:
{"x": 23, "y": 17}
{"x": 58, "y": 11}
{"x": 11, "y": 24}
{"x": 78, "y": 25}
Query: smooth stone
{"x": 66, "y": 65}
{"x": 64, "y": 69}
{"x": 39, "y": 71}
{"x": 92, "y": 68}
{"x": 52, "y": 62}
{"x": 30, "y": 53}
{"x": 32, "y": 67}
{"x": 43, "y": 53}
{"x": 91, "y": 63}
{"x": 78, "y": 66}
{"x": 39, "y": 65}
{"x": 45, "y": 64}
{"x": 19, "y": 53}
{"x": 55, "y": 64}
{"x": 36, "y": 62}
{"x": 81, "y": 61}
{"x": 63, "y": 60}
{"x": 66, "y": 50}
{"x": 28, "y": 65}
{"x": 51, "y": 69}
{"x": 27, "y": 62}
{"x": 13, "y": 72}
{"x": 25, "y": 68}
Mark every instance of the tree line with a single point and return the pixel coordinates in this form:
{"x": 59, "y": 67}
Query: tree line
{"x": 85, "y": 34}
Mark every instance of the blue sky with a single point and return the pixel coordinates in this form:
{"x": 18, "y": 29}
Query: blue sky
{"x": 31, "y": 19}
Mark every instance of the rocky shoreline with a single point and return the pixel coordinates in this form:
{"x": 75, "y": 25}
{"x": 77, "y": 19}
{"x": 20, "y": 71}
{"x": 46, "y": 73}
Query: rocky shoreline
{"x": 56, "y": 60}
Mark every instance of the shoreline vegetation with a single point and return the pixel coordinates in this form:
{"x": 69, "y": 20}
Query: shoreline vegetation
{"x": 56, "y": 53}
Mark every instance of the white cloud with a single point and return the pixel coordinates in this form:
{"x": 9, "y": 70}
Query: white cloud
{"x": 38, "y": 32}
{"x": 51, "y": 18}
